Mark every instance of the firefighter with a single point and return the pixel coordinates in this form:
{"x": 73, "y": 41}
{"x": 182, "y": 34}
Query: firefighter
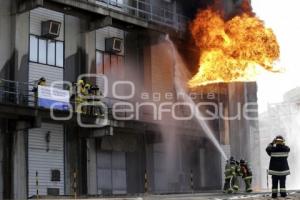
{"x": 279, "y": 167}
{"x": 79, "y": 95}
{"x": 86, "y": 94}
{"x": 231, "y": 176}
{"x": 228, "y": 177}
{"x": 246, "y": 173}
{"x": 95, "y": 96}
{"x": 40, "y": 82}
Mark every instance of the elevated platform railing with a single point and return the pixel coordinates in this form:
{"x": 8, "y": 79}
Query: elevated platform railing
{"x": 147, "y": 12}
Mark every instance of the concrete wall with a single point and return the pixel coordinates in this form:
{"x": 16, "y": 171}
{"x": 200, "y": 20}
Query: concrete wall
{"x": 74, "y": 51}
{"x": 19, "y": 162}
{"x": 21, "y": 46}
{"x": 6, "y": 51}
{"x": 239, "y": 139}
{"x": 244, "y": 133}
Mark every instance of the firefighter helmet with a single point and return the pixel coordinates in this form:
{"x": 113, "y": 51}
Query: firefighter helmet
{"x": 231, "y": 160}
{"x": 279, "y": 139}
{"x": 87, "y": 86}
{"x": 81, "y": 82}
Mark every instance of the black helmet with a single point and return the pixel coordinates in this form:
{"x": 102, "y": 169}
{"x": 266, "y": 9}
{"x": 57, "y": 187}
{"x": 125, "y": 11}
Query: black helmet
{"x": 42, "y": 79}
{"x": 232, "y": 161}
{"x": 242, "y": 161}
{"x": 279, "y": 139}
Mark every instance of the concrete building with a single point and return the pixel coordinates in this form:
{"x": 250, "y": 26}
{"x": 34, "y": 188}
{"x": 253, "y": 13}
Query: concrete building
{"x": 41, "y": 156}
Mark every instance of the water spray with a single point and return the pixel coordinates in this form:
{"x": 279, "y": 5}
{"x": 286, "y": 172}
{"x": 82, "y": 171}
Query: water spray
{"x": 180, "y": 81}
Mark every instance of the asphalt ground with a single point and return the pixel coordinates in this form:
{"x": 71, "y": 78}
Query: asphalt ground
{"x": 292, "y": 195}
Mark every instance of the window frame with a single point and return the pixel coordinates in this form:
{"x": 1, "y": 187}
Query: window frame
{"x": 38, "y": 37}
{"x": 36, "y": 49}
{"x": 115, "y": 4}
{"x": 110, "y": 59}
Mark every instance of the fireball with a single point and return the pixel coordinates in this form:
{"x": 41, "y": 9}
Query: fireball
{"x": 233, "y": 50}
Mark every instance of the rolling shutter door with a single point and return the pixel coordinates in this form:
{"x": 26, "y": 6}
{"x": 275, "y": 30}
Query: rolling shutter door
{"x": 44, "y": 157}
{"x": 111, "y": 172}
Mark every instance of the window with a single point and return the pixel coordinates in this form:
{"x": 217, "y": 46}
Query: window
{"x": 117, "y": 3}
{"x": 60, "y": 54}
{"x": 51, "y": 52}
{"x": 33, "y": 48}
{"x": 46, "y": 51}
{"x": 99, "y": 62}
{"x": 42, "y": 51}
{"x": 110, "y": 64}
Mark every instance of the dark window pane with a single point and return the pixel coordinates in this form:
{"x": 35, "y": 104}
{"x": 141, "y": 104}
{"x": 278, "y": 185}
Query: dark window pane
{"x": 33, "y": 48}
{"x": 106, "y": 63}
{"x": 114, "y": 65}
{"x": 59, "y": 54}
{"x": 99, "y": 62}
{"x": 121, "y": 69}
{"x": 42, "y": 51}
{"x": 51, "y": 52}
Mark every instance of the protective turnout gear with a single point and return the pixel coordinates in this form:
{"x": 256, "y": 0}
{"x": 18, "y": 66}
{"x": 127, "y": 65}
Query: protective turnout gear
{"x": 228, "y": 178}
{"x": 95, "y": 96}
{"x": 79, "y": 96}
{"x": 279, "y": 167}
{"x": 231, "y": 169}
{"x": 40, "y": 82}
{"x": 246, "y": 174}
{"x": 86, "y": 90}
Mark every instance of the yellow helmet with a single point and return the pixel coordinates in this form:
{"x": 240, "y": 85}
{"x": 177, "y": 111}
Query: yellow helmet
{"x": 80, "y": 82}
{"x": 87, "y": 86}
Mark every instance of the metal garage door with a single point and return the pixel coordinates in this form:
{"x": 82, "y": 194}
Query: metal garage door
{"x": 160, "y": 171}
{"x": 111, "y": 172}
{"x": 46, "y": 156}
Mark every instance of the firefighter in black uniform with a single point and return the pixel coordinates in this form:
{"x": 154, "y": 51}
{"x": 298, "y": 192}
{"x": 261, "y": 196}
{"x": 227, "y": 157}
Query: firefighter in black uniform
{"x": 279, "y": 167}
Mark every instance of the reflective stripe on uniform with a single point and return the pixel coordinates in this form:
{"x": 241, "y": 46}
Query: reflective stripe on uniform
{"x": 279, "y": 154}
{"x": 282, "y": 190}
{"x": 274, "y": 190}
{"x": 279, "y": 173}
{"x": 248, "y": 177}
{"x": 228, "y": 177}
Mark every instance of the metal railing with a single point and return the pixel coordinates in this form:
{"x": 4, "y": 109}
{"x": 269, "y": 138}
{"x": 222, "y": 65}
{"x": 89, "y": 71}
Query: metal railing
{"x": 22, "y": 93}
{"x": 13, "y": 92}
{"x": 147, "y": 12}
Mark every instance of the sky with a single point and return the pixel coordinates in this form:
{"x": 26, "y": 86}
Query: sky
{"x": 283, "y": 17}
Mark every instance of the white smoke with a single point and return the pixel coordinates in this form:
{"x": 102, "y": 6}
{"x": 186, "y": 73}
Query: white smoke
{"x": 283, "y": 17}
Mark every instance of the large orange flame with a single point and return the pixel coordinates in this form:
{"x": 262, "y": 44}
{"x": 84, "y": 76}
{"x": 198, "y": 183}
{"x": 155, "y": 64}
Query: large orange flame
{"x": 233, "y": 50}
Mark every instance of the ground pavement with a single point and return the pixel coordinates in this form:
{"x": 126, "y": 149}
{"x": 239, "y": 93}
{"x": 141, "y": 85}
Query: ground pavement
{"x": 293, "y": 195}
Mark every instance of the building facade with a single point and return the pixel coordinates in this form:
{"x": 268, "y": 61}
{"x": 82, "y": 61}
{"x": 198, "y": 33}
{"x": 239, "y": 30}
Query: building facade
{"x": 41, "y": 156}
